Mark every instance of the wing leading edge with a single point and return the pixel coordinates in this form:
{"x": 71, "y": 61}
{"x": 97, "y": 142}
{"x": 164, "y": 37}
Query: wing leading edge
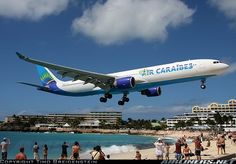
{"x": 103, "y": 81}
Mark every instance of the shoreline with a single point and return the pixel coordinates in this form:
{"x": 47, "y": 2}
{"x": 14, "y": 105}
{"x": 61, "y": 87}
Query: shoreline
{"x": 148, "y": 150}
{"x": 160, "y": 133}
{"x": 209, "y": 153}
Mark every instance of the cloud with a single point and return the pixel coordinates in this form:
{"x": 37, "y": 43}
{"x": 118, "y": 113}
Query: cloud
{"x": 157, "y": 112}
{"x": 22, "y": 112}
{"x": 154, "y": 112}
{"x": 30, "y": 112}
{"x": 115, "y": 22}
{"x": 228, "y": 7}
{"x": 31, "y": 9}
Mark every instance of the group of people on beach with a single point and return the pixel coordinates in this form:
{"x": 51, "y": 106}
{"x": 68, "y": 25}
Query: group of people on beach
{"x": 96, "y": 153}
{"x": 162, "y": 149}
{"x": 75, "y": 151}
{"x": 186, "y": 152}
{"x": 183, "y": 151}
{"x": 74, "y": 156}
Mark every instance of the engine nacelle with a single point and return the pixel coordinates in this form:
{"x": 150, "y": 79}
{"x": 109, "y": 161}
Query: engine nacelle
{"x": 53, "y": 86}
{"x": 125, "y": 83}
{"x": 151, "y": 92}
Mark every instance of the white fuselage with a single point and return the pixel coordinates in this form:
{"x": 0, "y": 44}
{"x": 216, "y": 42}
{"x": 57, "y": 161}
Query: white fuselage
{"x": 154, "y": 76}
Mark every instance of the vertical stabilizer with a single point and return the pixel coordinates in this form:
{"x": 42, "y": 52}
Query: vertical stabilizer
{"x": 45, "y": 75}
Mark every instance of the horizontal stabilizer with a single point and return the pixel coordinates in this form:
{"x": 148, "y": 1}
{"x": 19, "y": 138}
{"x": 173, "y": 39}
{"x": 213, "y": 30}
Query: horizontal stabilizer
{"x": 37, "y": 86}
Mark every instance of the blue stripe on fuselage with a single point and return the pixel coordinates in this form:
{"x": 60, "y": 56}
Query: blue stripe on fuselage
{"x": 138, "y": 87}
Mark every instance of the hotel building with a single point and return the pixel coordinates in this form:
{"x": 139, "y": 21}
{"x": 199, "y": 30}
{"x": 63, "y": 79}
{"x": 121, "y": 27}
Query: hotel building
{"x": 203, "y": 113}
{"x": 90, "y": 119}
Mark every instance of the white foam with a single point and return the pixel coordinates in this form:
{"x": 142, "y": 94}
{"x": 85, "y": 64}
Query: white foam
{"x": 114, "y": 149}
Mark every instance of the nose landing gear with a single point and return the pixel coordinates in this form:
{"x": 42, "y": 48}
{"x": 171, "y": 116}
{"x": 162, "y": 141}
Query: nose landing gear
{"x": 203, "y": 86}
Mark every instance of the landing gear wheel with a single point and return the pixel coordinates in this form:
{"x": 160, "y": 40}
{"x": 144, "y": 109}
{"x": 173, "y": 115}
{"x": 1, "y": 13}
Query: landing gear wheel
{"x": 125, "y": 99}
{"x": 203, "y": 86}
{"x": 103, "y": 99}
{"x": 108, "y": 95}
{"x": 121, "y": 102}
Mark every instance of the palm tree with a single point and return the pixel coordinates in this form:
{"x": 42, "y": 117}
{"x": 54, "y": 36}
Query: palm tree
{"x": 130, "y": 120}
{"x": 180, "y": 124}
{"x": 102, "y": 124}
{"x": 210, "y": 122}
{"x": 225, "y": 119}
{"x": 230, "y": 118}
{"x": 190, "y": 122}
{"x": 118, "y": 122}
{"x": 65, "y": 119}
{"x": 163, "y": 119}
{"x": 218, "y": 118}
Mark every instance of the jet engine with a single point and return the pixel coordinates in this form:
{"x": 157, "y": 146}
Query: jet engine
{"x": 53, "y": 86}
{"x": 151, "y": 92}
{"x": 125, "y": 83}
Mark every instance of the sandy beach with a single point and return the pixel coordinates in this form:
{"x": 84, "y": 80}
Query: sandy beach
{"x": 208, "y": 153}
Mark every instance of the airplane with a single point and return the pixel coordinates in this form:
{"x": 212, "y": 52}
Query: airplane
{"x": 147, "y": 80}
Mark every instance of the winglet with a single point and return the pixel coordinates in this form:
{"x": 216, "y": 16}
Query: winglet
{"x": 21, "y": 56}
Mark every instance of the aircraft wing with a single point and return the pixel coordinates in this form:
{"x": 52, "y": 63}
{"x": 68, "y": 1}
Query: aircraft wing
{"x": 101, "y": 80}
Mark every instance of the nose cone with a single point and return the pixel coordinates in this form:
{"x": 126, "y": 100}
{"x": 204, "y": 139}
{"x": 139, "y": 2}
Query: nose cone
{"x": 226, "y": 66}
{"x": 222, "y": 68}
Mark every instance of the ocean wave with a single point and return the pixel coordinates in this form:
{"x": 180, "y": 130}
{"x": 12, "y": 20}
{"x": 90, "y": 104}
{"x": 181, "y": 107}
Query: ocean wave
{"x": 113, "y": 149}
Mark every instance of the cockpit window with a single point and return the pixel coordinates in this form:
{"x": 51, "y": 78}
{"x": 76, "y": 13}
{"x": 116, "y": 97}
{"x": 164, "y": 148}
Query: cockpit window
{"x": 217, "y": 61}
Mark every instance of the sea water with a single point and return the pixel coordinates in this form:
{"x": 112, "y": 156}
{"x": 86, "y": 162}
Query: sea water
{"x": 110, "y": 143}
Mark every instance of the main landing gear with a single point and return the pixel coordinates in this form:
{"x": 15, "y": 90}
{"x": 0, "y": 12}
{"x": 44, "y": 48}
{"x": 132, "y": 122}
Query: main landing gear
{"x": 109, "y": 96}
{"x": 105, "y": 97}
{"x": 123, "y": 100}
{"x": 203, "y": 86}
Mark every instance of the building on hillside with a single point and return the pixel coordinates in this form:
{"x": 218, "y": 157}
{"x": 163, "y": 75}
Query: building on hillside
{"x": 92, "y": 118}
{"x": 204, "y": 113}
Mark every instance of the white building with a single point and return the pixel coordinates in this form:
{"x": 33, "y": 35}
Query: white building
{"x": 203, "y": 113}
{"x": 90, "y": 123}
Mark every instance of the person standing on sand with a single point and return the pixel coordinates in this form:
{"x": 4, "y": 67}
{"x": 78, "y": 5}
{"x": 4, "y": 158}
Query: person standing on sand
{"x": 186, "y": 152}
{"x": 64, "y": 147}
{"x": 138, "y": 155}
{"x": 21, "y": 155}
{"x": 201, "y": 137}
{"x": 97, "y": 153}
{"x": 36, "y": 151}
{"x": 198, "y": 148}
{"x": 159, "y": 149}
{"x": 167, "y": 151}
{"x": 4, "y": 146}
{"x": 45, "y": 152}
{"x": 178, "y": 152}
{"x": 222, "y": 142}
{"x": 94, "y": 154}
{"x": 75, "y": 151}
{"x": 218, "y": 145}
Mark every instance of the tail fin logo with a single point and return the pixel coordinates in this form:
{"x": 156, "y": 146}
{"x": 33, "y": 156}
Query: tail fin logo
{"x": 45, "y": 77}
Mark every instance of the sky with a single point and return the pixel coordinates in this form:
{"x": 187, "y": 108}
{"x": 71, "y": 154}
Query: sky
{"x": 108, "y": 36}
